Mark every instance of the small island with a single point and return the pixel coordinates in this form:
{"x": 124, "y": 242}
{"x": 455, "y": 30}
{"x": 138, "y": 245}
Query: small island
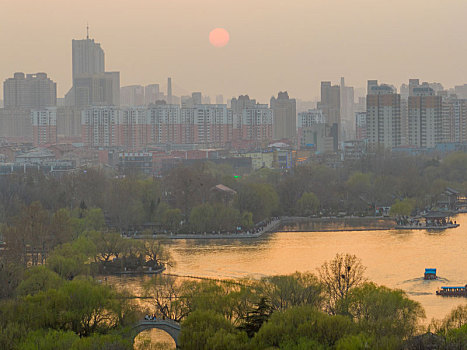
{"x": 117, "y": 255}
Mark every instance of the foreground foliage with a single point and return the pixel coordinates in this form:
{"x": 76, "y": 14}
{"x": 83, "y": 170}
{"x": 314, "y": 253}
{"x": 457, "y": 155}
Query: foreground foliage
{"x": 59, "y": 305}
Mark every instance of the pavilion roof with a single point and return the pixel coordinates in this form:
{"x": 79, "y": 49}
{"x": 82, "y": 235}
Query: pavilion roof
{"x": 225, "y": 189}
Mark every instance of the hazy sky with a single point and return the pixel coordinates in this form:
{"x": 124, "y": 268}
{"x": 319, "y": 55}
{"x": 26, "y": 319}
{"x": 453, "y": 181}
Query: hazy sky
{"x": 275, "y": 44}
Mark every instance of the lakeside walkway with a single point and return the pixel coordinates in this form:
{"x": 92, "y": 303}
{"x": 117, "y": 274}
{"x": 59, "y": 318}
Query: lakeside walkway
{"x": 280, "y": 225}
{"x": 270, "y": 227}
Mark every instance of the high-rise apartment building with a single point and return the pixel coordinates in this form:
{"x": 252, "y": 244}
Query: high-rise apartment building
{"x": 424, "y": 117}
{"x": 404, "y": 91}
{"x": 169, "y": 91}
{"x": 212, "y": 124}
{"x": 347, "y": 114}
{"x": 161, "y": 123}
{"x": 461, "y": 91}
{"x": 44, "y": 126}
{"x": 454, "y": 125}
{"x": 166, "y": 126}
{"x": 187, "y": 125}
{"x": 413, "y": 83}
{"x": 133, "y": 128}
{"x": 15, "y": 124}
{"x": 360, "y": 126}
{"x": 29, "y": 91}
{"x": 360, "y": 106}
{"x": 285, "y": 116}
{"x": 257, "y": 124}
{"x": 383, "y": 117}
{"x": 311, "y": 126}
{"x": 330, "y": 102}
{"x": 240, "y": 103}
{"x": 99, "y": 126}
{"x": 330, "y": 105}
{"x": 404, "y": 120}
{"x": 309, "y": 118}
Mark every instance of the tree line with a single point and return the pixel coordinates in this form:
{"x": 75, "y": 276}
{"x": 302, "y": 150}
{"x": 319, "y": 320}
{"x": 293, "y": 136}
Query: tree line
{"x": 183, "y": 199}
{"x": 336, "y": 308}
{"x": 39, "y": 211}
{"x": 60, "y": 304}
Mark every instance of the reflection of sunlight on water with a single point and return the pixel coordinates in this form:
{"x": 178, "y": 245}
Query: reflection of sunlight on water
{"x": 154, "y": 339}
{"x": 393, "y": 258}
{"x": 396, "y": 259}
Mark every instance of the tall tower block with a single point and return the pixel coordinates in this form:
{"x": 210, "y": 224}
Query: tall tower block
{"x": 169, "y": 91}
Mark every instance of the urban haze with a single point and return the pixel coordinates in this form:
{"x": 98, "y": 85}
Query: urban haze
{"x": 220, "y": 174}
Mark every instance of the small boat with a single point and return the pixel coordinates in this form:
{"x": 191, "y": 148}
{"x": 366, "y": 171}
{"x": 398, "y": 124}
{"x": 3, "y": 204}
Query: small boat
{"x": 453, "y": 291}
{"x": 430, "y": 274}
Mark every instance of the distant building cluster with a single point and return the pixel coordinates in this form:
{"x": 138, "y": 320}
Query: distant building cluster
{"x": 206, "y": 125}
{"x": 421, "y": 117}
{"x": 97, "y": 113}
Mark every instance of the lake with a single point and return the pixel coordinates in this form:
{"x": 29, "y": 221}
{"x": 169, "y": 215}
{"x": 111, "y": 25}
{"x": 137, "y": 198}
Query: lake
{"x": 393, "y": 258}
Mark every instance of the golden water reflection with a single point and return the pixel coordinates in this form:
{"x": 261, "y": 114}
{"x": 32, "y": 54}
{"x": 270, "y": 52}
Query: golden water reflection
{"x": 154, "y": 339}
{"x": 393, "y": 258}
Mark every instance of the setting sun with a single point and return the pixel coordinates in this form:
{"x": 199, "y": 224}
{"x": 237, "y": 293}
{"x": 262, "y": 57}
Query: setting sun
{"x": 219, "y": 37}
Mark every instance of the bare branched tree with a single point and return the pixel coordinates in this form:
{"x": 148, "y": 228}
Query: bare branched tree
{"x": 339, "y": 276}
{"x": 168, "y": 297}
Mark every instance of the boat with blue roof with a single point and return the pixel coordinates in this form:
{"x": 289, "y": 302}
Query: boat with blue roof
{"x": 430, "y": 274}
{"x": 453, "y": 291}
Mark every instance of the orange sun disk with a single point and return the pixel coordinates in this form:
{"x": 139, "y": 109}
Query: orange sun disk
{"x": 219, "y": 37}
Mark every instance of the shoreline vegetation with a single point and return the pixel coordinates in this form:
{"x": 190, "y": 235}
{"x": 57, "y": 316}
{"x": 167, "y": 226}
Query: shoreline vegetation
{"x": 207, "y": 197}
{"x": 334, "y": 308}
{"x": 54, "y": 229}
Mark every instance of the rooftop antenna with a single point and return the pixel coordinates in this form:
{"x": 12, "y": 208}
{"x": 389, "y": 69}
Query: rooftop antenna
{"x": 87, "y": 31}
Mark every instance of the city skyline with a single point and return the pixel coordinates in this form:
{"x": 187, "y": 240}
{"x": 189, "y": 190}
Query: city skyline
{"x": 233, "y": 174}
{"x": 318, "y": 41}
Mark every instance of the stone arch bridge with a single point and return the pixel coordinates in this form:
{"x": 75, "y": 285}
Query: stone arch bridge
{"x": 169, "y": 326}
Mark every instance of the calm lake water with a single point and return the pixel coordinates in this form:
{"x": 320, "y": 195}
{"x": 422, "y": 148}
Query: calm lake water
{"x": 393, "y": 258}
